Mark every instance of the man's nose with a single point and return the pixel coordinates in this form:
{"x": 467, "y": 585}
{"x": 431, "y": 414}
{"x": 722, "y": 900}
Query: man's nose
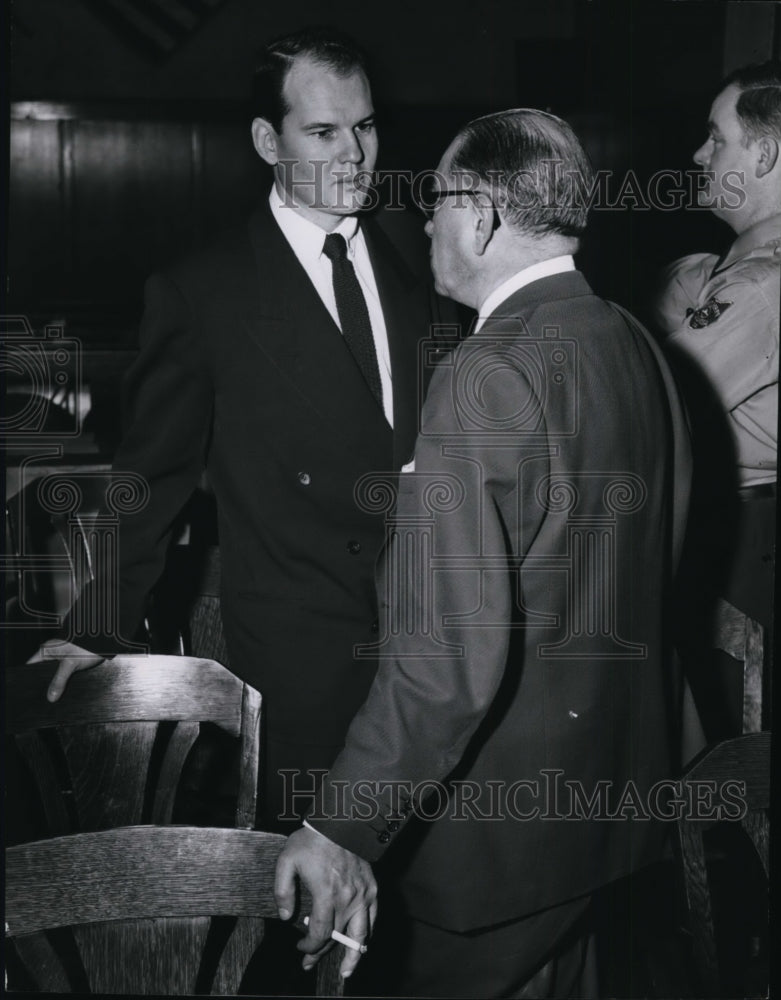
{"x": 351, "y": 151}
{"x": 700, "y": 157}
{"x": 429, "y": 228}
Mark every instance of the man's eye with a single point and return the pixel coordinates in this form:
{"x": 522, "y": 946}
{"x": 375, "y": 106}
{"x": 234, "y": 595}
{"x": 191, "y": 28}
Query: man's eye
{"x": 325, "y": 133}
{"x": 366, "y": 127}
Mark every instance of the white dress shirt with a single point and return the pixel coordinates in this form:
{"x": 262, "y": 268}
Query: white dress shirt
{"x": 556, "y": 265}
{"x": 306, "y": 240}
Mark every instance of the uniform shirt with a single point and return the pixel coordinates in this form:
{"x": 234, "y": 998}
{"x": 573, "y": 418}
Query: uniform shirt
{"x": 306, "y": 239}
{"x": 724, "y": 314}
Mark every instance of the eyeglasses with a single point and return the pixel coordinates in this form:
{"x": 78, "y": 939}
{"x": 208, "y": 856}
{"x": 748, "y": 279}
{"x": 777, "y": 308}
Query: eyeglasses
{"x": 431, "y": 200}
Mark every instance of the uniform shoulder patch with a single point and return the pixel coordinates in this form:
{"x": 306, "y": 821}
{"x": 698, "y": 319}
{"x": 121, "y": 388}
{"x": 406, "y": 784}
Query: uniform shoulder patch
{"x": 707, "y": 314}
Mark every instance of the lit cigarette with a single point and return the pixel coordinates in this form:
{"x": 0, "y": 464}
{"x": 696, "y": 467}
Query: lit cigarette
{"x": 348, "y": 942}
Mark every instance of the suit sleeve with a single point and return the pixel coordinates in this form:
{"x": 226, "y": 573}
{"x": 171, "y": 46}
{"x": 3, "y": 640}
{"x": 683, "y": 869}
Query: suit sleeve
{"x": 168, "y": 402}
{"x": 429, "y": 698}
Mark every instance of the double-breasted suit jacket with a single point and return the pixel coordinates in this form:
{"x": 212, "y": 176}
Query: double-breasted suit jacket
{"x": 243, "y": 372}
{"x": 509, "y": 752}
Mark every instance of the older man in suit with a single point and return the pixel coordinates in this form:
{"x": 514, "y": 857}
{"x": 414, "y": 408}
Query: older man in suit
{"x": 514, "y": 746}
{"x": 283, "y": 361}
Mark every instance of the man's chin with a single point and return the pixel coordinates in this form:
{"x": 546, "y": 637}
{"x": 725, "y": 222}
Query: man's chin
{"x": 349, "y": 199}
{"x": 705, "y": 199}
{"x": 442, "y": 289}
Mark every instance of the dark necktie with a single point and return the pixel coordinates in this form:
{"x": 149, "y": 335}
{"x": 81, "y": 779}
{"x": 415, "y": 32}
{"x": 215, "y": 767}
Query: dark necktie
{"x": 353, "y": 314}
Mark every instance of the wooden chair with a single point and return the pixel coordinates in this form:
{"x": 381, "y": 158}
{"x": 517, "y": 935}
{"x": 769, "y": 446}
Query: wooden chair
{"x": 112, "y": 750}
{"x": 741, "y": 768}
{"x": 743, "y": 639}
{"x": 141, "y": 902}
{"x": 204, "y": 636}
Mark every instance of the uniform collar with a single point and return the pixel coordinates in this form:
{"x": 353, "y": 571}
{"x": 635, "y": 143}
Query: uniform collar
{"x": 755, "y": 236}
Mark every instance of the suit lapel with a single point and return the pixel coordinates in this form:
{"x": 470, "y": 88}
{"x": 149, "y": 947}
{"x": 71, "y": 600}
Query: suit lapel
{"x": 295, "y": 332}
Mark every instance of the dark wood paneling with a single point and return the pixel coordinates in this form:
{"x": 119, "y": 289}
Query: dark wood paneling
{"x": 102, "y": 196}
{"x": 233, "y": 178}
{"x": 132, "y": 200}
{"x": 38, "y": 238}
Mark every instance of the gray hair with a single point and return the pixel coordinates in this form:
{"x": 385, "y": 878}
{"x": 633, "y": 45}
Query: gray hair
{"x": 535, "y": 167}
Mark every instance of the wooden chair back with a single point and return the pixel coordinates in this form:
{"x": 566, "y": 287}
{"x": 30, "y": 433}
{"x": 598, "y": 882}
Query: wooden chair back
{"x": 739, "y": 768}
{"x": 743, "y": 638}
{"x": 205, "y": 632}
{"x": 141, "y": 903}
{"x": 112, "y": 750}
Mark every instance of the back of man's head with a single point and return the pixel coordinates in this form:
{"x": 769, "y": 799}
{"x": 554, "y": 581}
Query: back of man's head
{"x": 322, "y": 44}
{"x": 535, "y": 167}
{"x": 759, "y": 104}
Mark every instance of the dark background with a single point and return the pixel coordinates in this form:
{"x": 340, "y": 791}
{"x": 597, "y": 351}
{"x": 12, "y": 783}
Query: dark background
{"x": 129, "y": 131}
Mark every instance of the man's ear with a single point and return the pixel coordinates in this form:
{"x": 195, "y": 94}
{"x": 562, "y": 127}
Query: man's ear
{"x": 264, "y": 139}
{"x": 768, "y": 155}
{"x": 484, "y": 222}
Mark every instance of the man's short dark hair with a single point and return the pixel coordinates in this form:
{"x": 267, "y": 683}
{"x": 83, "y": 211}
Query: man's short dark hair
{"x": 327, "y": 46}
{"x": 535, "y": 167}
{"x": 759, "y": 104}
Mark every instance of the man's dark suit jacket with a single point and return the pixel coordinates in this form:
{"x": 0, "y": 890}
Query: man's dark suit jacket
{"x": 242, "y": 371}
{"x": 556, "y": 433}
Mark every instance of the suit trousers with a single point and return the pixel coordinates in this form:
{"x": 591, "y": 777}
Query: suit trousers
{"x": 547, "y": 954}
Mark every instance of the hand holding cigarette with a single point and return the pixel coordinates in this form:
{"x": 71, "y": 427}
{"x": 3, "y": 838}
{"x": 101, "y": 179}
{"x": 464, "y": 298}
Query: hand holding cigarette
{"x": 348, "y": 942}
{"x": 343, "y": 891}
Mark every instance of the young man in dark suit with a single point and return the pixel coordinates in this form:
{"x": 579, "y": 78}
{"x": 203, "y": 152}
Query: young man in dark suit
{"x": 283, "y": 361}
{"x": 510, "y": 753}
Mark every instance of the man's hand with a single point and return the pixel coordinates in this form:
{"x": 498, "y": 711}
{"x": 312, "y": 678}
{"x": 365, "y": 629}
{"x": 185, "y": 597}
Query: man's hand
{"x": 343, "y": 888}
{"x": 71, "y": 657}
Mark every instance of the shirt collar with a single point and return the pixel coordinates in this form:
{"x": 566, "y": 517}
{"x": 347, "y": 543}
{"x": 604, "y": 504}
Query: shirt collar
{"x": 304, "y": 236}
{"x": 755, "y": 236}
{"x": 543, "y": 269}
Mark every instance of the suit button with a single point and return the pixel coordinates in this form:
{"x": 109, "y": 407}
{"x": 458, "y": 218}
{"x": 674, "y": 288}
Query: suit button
{"x": 375, "y": 626}
{"x": 383, "y": 837}
{"x": 393, "y": 826}
{"x": 353, "y": 548}
{"x": 304, "y": 478}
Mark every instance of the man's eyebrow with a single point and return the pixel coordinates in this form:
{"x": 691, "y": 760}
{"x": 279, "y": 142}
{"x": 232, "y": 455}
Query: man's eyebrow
{"x": 713, "y": 127}
{"x": 324, "y": 125}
